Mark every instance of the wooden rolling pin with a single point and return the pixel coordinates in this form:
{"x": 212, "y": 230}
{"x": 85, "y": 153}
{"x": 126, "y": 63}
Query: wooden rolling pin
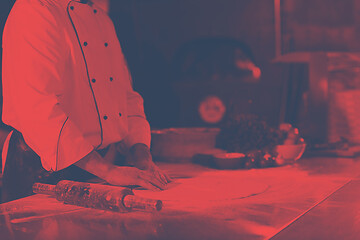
{"x": 97, "y": 196}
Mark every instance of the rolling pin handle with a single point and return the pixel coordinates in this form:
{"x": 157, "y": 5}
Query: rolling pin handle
{"x": 135, "y": 202}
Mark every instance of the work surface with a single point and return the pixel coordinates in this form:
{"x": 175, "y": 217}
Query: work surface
{"x": 317, "y": 198}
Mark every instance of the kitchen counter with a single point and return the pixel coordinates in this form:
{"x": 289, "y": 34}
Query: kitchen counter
{"x": 309, "y": 198}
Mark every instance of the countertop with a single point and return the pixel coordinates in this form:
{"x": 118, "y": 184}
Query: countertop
{"x": 316, "y": 198}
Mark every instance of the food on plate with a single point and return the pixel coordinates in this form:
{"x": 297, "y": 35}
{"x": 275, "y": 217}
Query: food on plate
{"x": 252, "y": 136}
{"x": 245, "y": 133}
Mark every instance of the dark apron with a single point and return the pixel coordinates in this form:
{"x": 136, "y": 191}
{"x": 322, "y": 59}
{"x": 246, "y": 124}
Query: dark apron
{"x": 23, "y": 168}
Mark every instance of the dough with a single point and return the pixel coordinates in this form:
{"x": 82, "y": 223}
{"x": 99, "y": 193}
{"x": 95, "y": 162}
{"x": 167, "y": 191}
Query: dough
{"x": 206, "y": 190}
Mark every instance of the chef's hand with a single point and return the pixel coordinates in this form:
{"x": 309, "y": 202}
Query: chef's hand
{"x": 120, "y": 176}
{"x": 128, "y": 176}
{"x": 140, "y": 157}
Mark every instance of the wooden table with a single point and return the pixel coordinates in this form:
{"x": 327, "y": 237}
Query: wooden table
{"x": 314, "y": 198}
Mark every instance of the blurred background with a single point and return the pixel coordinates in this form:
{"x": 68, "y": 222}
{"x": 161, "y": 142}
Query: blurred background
{"x": 198, "y": 62}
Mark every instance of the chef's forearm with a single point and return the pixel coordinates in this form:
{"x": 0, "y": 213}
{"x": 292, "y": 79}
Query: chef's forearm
{"x": 95, "y": 164}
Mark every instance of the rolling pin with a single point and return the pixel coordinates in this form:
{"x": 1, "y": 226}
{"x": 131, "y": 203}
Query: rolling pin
{"x": 98, "y": 196}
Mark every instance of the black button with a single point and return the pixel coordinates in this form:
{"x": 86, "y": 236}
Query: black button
{"x": 105, "y": 117}
{"x": 106, "y": 44}
{"x": 95, "y": 11}
{"x": 72, "y": 7}
{"x": 111, "y": 79}
{"x": 93, "y": 80}
{"x": 85, "y": 44}
{"x": 120, "y": 114}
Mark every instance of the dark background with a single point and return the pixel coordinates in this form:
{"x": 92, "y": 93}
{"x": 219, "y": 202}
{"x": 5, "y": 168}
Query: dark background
{"x": 153, "y": 32}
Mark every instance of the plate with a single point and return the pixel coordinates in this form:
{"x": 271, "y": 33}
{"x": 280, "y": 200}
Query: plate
{"x": 229, "y": 160}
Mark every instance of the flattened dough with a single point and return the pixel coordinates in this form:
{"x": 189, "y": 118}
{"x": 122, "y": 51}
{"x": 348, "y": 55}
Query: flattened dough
{"x": 206, "y": 190}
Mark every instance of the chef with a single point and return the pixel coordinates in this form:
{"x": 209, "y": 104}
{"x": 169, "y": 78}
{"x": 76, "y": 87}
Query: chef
{"x": 68, "y": 94}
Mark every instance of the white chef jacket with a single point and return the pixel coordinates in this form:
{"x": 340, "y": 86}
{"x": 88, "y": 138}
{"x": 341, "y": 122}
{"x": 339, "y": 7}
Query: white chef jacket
{"x": 66, "y": 85}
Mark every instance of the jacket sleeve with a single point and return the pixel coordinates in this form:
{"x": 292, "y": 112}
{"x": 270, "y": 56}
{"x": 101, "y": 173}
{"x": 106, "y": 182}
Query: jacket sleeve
{"x": 34, "y": 60}
{"x": 139, "y": 128}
